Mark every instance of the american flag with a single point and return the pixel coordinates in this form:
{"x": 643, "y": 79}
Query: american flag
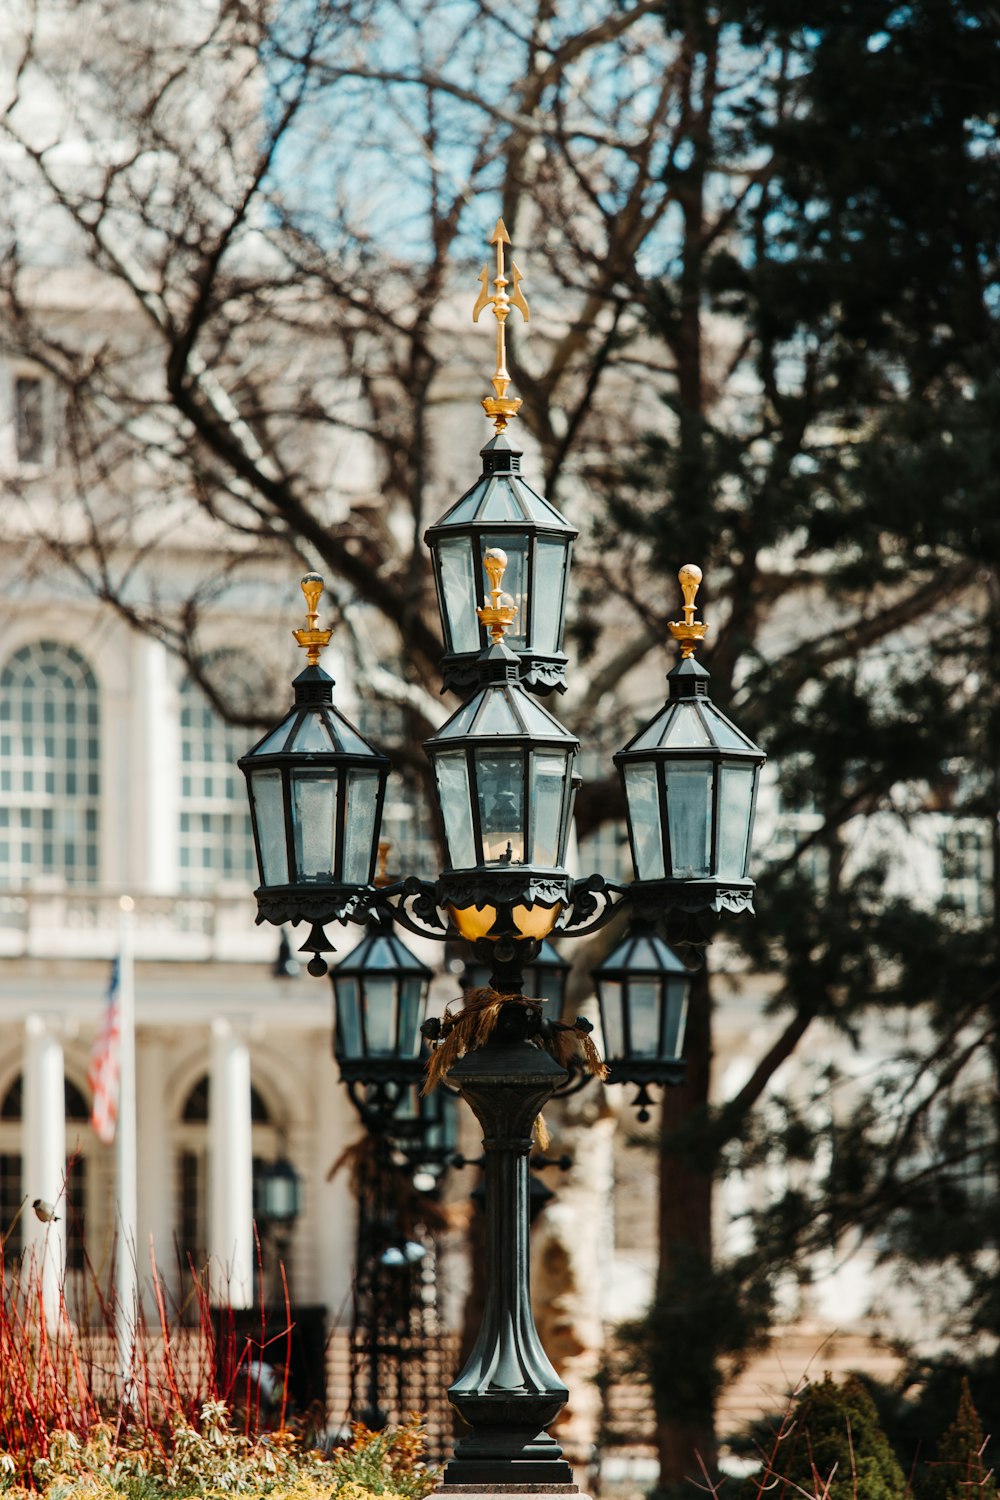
{"x": 102, "y": 1075}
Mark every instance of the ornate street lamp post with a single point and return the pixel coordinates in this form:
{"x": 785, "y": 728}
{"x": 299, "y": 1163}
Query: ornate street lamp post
{"x": 505, "y": 781}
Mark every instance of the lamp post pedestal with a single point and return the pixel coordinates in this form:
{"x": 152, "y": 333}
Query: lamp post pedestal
{"x": 508, "y": 1391}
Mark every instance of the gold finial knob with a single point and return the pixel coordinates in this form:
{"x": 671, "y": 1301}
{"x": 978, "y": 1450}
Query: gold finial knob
{"x": 689, "y": 631}
{"x": 312, "y": 639}
{"x": 498, "y": 615}
{"x": 500, "y": 406}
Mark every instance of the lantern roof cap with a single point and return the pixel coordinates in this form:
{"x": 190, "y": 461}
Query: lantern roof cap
{"x": 313, "y": 685}
{"x": 688, "y": 723}
{"x": 381, "y": 954}
{"x": 503, "y": 709}
{"x": 641, "y": 951}
{"x": 501, "y": 499}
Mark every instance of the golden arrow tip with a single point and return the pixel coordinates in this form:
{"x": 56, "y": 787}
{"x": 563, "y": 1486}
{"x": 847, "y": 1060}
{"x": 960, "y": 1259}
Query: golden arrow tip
{"x": 500, "y": 235}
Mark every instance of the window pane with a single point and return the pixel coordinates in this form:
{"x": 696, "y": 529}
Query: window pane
{"x": 410, "y": 1005}
{"x": 452, "y": 775}
{"x": 689, "y": 814}
{"x": 644, "y": 816}
{"x": 515, "y": 583}
{"x": 500, "y": 784}
{"x": 675, "y": 1017}
{"x": 216, "y": 838}
{"x": 380, "y": 1017}
{"x": 611, "y": 1016}
{"x": 50, "y": 782}
{"x": 348, "y": 1016}
{"x": 644, "y": 1018}
{"x": 548, "y": 789}
{"x": 360, "y": 832}
{"x": 459, "y": 585}
{"x": 547, "y": 602}
{"x": 29, "y": 423}
{"x": 735, "y": 794}
{"x": 269, "y": 807}
{"x": 314, "y": 821}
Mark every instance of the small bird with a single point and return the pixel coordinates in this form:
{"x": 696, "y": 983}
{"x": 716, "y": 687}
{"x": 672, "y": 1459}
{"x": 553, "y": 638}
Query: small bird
{"x": 45, "y": 1211}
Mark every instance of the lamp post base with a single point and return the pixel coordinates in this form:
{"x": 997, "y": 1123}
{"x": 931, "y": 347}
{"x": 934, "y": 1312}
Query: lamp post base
{"x": 489, "y": 1491}
{"x": 511, "y": 1461}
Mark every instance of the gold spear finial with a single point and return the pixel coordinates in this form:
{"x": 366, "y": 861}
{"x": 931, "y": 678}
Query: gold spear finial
{"x": 689, "y": 631}
{"x": 499, "y": 614}
{"x": 500, "y": 406}
{"x": 312, "y": 639}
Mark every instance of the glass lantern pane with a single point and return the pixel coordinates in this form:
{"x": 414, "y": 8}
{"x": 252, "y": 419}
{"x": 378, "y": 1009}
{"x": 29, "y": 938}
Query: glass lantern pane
{"x": 644, "y": 1017}
{"x": 611, "y": 1018}
{"x": 312, "y": 735}
{"x": 360, "y": 832}
{"x": 269, "y": 814}
{"x": 550, "y": 580}
{"x": 675, "y": 1017}
{"x": 515, "y": 583}
{"x": 735, "y": 797}
{"x": 644, "y": 817}
{"x": 685, "y": 728}
{"x": 500, "y": 787}
{"x": 380, "y": 1017}
{"x": 281, "y": 1196}
{"x": 548, "y": 790}
{"x": 452, "y": 774}
{"x": 496, "y": 715}
{"x": 348, "y": 1017}
{"x": 314, "y": 823}
{"x": 689, "y": 815}
{"x": 410, "y": 1006}
{"x": 458, "y": 584}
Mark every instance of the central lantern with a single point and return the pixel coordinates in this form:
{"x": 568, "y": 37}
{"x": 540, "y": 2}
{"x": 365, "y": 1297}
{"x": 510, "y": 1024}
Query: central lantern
{"x": 503, "y": 767}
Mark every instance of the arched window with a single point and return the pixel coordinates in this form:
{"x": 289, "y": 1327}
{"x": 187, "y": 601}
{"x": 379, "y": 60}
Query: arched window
{"x": 49, "y": 766}
{"x": 216, "y": 842}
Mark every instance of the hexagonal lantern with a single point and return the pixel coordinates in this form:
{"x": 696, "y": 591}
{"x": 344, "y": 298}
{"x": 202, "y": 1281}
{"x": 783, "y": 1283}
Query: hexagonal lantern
{"x": 690, "y": 779}
{"x": 502, "y": 511}
{"x": 504, "y": 772}
{"x": 380, "y": 992}
{"x": 316, "y": 788}
{"x": 642, "y": 991}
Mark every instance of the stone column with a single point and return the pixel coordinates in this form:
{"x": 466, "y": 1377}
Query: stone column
{"x": 230, "y": 1176}
{"x": 44, "y": 1155}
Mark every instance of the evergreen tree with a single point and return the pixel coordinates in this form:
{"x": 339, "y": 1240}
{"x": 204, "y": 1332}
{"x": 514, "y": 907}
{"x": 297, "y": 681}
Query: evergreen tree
{"x": 835, "y": 1450}
{"x": 959, "y": 1469}
{"x": 845, "y": 511}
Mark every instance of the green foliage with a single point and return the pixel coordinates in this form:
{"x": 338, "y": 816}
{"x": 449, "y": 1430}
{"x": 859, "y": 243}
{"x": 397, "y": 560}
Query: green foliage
{"x": 958, "y": 1471}
{"x": 835, "y": 1450}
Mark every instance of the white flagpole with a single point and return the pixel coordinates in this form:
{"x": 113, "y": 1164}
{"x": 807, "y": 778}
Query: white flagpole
{"x": 127, "y": 1280}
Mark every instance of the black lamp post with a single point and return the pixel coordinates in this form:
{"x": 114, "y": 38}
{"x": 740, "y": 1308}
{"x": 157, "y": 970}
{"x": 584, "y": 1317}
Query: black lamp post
{"x": 505, "y": 781}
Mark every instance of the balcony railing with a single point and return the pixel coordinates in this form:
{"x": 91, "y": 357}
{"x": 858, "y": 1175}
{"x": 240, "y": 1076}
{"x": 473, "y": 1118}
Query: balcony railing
{"x": 83, "y": 923}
